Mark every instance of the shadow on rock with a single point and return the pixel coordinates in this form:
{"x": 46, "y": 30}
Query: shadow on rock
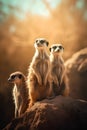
{"x": 76, "y": 68}
{"x": 59, "y": 113}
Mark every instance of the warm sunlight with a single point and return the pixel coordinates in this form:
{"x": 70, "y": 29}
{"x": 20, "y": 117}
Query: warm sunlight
{"x": 58, "y": 21}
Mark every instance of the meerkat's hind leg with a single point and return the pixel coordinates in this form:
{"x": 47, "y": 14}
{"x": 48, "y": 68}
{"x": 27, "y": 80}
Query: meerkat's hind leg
{"x": 65, "y": 92}
{"x": 65, "y": 89}
{"x": 16, "y": 113}
{"x": 22, "y": 109}
{"x": 51, "y": 93}
{"x": 33, "y": 99}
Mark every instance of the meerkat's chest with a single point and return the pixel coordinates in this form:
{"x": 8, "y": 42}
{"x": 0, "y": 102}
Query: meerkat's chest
{"x": 16, "y": 93}
{"x": 56, "y": 69}
{"x": 17, "y": 97}
{"x": 42, "y": 66}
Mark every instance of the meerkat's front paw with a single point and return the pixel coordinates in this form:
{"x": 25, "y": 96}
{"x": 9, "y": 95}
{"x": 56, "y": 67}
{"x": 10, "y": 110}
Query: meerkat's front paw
{"x": 31, "y": 104}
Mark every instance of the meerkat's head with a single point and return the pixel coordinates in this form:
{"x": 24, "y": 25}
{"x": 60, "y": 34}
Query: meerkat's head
{"x": 16, "y": 77}
{"x": 56, "y": 49}
{"x": 41, "y": 43}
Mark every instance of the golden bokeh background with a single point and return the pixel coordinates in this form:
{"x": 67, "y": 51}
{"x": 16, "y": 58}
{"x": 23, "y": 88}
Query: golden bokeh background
{"x": 21, "y": 22}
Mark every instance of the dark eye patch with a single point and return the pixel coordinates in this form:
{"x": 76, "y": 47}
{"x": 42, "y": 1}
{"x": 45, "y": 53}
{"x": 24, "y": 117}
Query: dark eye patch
{"x": 20, "y": 76}
{"x": 42, "y": 41}
{"x": 60, "y": 47}
{"x": 13, "y": 76}
{"x": 54, "y": 47}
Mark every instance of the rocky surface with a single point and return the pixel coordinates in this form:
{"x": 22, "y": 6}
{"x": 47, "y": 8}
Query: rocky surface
{"x": 77, "y": 74}
{"x": 59, "y": 113}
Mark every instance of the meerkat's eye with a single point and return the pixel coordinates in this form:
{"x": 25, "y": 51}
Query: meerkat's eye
{"x": 54, "y": 47}
{"x": 20, "y": 76}
{"x": 13, "y": 76}
{"x": 41, "y": 41}
{"x": 60, "y": 47}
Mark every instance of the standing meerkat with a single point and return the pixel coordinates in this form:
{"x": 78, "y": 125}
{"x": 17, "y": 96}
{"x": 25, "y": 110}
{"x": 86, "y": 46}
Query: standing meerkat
{"x": 58, "y": 79}
{"x": 20, "y": 92}
{"x": 38, "y": 72}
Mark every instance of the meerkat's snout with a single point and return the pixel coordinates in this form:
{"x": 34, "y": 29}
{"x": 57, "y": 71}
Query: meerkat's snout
{"x": 56, "y": 48}
{"x": 11, "y": 78}
{"x": 41, "y": 42}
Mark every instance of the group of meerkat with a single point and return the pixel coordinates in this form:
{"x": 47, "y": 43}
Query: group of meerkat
{"x": 46, "y": 77}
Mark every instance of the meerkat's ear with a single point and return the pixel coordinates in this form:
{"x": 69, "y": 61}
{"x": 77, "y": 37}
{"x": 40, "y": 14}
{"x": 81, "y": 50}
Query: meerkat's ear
{"x": 50, "y": 49}
{"x": 47, "y": 43}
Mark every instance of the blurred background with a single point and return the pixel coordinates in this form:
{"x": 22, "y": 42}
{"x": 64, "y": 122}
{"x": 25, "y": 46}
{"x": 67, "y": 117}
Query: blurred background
{"x": 21, "y": 22}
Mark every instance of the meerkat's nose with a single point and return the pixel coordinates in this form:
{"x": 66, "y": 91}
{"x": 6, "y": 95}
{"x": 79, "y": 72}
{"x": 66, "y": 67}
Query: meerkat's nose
{"x": 9, "y": 79}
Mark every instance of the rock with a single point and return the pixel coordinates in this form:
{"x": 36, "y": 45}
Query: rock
{"x": 60, "y": 113}
{"x": 76, "y": 68}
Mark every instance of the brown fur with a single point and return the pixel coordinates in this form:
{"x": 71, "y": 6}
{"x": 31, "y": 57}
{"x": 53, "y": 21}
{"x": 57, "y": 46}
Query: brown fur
{"x": 20, "y": 92}
{"x": 57, "y": 75}
{"x": 38, "y": 73}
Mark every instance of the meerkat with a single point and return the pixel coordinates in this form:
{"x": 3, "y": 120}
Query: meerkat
{"x": 58, "y": 79}
{"x": 38, "y": 72}
{"x": 20, "y": 92}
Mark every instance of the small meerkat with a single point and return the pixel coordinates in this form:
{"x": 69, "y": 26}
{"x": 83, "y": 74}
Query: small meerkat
{"x": 38, "y": 72}
{"x": 58, "y": 79}
{"x": 20, "y": 92}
